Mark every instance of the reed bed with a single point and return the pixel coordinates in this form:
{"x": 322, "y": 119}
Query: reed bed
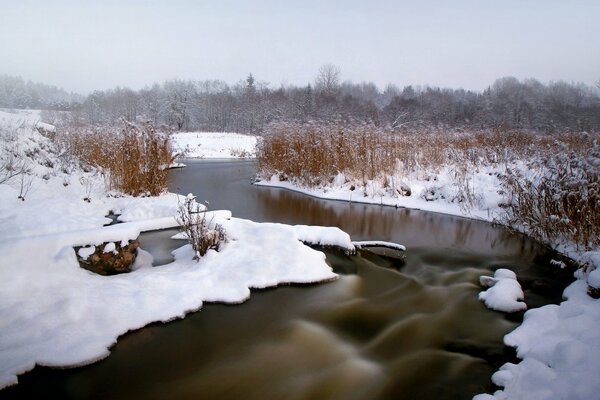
{"x": 133, "y": 158}
{"x": 549, "y": 182}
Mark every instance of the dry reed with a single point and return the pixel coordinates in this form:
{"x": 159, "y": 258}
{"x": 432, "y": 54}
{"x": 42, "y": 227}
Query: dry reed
{"x": 134, "y": 158}
{"x": 550, "y": 182}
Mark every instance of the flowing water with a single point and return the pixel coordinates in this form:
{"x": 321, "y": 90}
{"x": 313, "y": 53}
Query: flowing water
{"x": 389, "y": 328}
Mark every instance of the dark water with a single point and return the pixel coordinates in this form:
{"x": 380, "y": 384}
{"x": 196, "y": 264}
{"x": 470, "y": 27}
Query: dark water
{"x": 387, "y": 329}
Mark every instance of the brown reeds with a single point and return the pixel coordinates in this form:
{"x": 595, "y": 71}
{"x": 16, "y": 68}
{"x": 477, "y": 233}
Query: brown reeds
{"x": 134, "y": 159}
{"x": 550, "y": 182}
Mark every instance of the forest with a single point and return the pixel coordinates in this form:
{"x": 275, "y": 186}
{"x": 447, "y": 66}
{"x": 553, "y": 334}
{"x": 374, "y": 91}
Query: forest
{"x": 250, "y": 105}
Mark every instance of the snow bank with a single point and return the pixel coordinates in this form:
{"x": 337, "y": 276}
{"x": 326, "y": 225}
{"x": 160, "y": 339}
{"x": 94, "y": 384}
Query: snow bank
{"x": 560, "y": 348}
{"x": 214, "y": 145}
{"x": 504, "y": 291}
{"x": 75, "y": 315}
{"x": 440, "y": 195}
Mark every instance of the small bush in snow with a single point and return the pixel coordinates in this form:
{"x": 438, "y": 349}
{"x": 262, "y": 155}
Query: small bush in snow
{"x": 203, "y": 235}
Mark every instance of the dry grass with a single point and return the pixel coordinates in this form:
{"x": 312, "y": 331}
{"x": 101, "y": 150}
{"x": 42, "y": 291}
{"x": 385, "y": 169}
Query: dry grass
{"x": 314, "y": 152}
{"x": 552, "y": 193}
{"x": 561, "y": 199}
{"x": 133, "y": 158}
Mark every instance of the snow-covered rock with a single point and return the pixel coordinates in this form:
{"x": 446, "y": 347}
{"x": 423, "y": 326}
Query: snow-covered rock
{"x": 504, "y": 291}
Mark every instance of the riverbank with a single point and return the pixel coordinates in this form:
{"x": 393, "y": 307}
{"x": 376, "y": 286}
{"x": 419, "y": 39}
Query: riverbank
{"x": 75, "y": 315}
{"x": 559, "y": 344}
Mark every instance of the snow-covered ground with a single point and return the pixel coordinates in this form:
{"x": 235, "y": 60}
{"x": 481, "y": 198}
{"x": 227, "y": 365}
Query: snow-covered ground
{"x": 214, "y": 145}
{"x": 559, "y": 344}
{"x": 54, "y": 313}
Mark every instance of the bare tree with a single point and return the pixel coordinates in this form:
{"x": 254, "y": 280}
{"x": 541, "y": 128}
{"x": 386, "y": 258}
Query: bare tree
{"x": 328, "y": 79}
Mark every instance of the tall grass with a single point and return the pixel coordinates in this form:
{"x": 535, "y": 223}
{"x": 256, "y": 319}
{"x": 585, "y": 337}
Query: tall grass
{"x": 314, "y": 152}
{"x": 133, "y": 158}
{"x": 560, "y": 198}
{"x": 550, "y": 182}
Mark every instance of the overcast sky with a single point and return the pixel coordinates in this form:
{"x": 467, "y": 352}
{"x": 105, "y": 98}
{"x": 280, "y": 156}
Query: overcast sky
{"x": 86, "y": 45}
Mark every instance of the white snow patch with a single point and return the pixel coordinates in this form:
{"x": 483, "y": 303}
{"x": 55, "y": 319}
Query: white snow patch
{"x": 214, "y": 145}
{"x": 109, "y": 248}
{"x": 379, "y": 243}
{"x": 504, "y": 292}
{"x": 593, "y": 278}
{"x": 441, "y": 195}
{"x": 85, "y": 252}
{"x": 558, "y": 263}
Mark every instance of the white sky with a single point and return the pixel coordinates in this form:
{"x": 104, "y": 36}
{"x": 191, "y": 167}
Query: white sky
{"x": 86, "y": 45}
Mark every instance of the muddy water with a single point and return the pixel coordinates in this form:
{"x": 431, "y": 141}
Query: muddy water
{"x": 387, "y": 329}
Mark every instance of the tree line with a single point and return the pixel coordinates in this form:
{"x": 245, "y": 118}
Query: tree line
{"x": 249, "y": 105}
{"x": 20, "y": 94}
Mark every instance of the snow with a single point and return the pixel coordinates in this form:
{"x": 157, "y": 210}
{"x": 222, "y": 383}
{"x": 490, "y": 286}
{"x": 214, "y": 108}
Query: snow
{"x": 504, "y": 292}
{"x": 109, "y": 248}
{"x": 440, "y": 195}
{"x": 75, "y": 315}
{"x": 560, "y": 348}
{"x": 214, "y": 145}
{"x": 85, "y": 252}
{"x": 379, "y": 243}
{"x": 593, "y": 278}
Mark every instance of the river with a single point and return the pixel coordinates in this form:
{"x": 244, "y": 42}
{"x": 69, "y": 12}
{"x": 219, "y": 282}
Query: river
{"x": 389, "y": 328}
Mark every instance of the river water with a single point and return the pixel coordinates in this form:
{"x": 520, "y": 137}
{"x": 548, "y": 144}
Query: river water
{"x": 389, "y": 328}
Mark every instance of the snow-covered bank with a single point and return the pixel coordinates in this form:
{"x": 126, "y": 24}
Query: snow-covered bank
{"x": 560, "y": 348}
{"x": 54, "y": 313}
{"x": 559, "y": 344}
{"x": 439, "y": 195}
{"x": 76, "y": 316}
{"x": 214, "y": 145}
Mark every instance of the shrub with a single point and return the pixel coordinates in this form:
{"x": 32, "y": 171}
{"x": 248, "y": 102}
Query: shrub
{"x": 203, "y": 235}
